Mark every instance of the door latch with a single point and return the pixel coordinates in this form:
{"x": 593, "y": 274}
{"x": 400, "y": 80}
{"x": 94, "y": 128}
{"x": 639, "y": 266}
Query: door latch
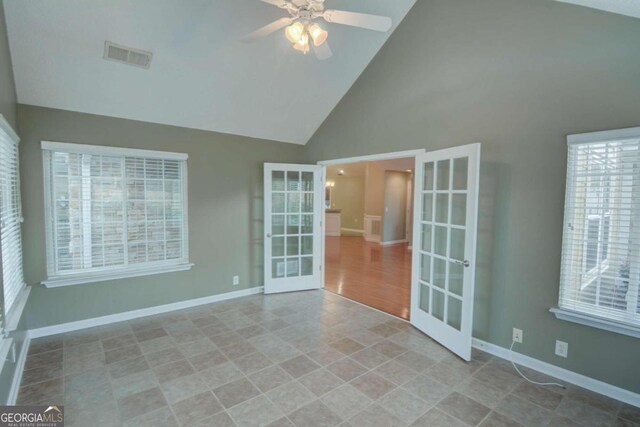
{"x": 464, "y": 263}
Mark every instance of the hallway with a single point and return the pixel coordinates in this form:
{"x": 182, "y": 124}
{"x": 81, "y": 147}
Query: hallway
{"x": 369, "y": 273}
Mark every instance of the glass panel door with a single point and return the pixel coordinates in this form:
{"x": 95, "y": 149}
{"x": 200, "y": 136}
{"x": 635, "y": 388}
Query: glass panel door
{"x": 293, "y": 209}
{"x": 445, "y": 218}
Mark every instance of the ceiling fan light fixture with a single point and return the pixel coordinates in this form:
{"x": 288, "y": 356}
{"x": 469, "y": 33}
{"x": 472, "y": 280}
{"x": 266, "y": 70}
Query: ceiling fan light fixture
{"x": 294, "y": 32}
{"x": 303, "y": 44}
{"x": 318, "y": 35}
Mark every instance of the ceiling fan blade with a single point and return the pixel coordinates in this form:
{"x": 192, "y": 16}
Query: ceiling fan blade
{"x": 278, "y": 3}
{"x": 266, "y": 30}
{"x": 360, "y": 20}
{"x": 323, "y": 51}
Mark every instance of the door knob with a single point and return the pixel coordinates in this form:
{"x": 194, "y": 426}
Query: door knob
{"x": 268, "y": 235}
{"x": 464, "y": 263}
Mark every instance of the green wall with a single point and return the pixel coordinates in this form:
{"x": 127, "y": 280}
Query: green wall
{"x": 7, "y": 85}
{"x": 348, "y": 195}
{"x": 395, "y": 206}
{"x": 225, "y": 213}
{"x": 518, "y": 76}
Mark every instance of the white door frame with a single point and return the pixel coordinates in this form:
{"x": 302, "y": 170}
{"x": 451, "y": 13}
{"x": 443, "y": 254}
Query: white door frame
{"x": 358, "y": 159}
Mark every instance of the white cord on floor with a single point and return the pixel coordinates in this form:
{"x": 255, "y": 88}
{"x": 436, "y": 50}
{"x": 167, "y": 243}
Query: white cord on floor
{"x": 523, "y": 376}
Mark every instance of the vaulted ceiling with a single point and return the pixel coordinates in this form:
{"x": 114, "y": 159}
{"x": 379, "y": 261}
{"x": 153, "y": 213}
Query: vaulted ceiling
{"x": 201, "y": 75}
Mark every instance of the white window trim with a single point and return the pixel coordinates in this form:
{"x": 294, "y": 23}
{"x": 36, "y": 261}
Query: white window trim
{"x": 598, "y": 322}
{"x": 111, "y": 273}
{"x": 113, "y": 151}
{"x": 583, "y": 317}
{"x": 121, "y": 273}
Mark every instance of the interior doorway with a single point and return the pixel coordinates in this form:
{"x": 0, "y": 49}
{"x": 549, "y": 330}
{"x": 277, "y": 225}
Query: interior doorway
{"x": 368, "y": 231}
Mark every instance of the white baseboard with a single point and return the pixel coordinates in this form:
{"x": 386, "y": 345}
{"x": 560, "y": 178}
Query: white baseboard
{"x": 352, "y": 230}
{"x": 393, "y": 242}
{"x": 560, "y": 373}
{"x": 19, "y": 369}
{"x": 143, "y": 312}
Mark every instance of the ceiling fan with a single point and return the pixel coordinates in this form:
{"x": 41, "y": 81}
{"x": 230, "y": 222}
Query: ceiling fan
{"x": 303, "y": 31}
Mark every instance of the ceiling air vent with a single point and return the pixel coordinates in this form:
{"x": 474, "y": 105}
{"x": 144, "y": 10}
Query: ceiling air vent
{"x": 127, "y": 55}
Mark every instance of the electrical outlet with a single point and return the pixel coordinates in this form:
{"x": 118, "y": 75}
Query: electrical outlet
{"x": 517, "y": 335}
{"x": 236, "y": 280}
{"x": 562, "y": 348}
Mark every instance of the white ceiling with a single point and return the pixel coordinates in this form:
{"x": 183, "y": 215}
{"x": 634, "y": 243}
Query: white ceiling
{"x": 622, "y": 7}
{"x": 201, "y": 75}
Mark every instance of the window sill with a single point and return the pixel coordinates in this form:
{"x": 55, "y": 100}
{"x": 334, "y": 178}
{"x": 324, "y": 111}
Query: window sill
{"x": 596, "y": 322}
{"x": 13, "y": 317}
{"x": 80, "y": 279}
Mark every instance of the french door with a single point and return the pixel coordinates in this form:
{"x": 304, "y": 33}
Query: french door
{"x": 444, "y": 245}
{"x": 293, "y": 207}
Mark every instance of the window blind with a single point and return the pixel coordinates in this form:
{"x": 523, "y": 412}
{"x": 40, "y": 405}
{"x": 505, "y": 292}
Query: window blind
{"x": 601, "y": 242}
{"x": 114, "y": 209}
{"x": 10, "y": 220}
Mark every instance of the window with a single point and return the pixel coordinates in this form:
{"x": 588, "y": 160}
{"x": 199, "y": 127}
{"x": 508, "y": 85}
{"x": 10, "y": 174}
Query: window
{"x": 10, "y": 224}
{"x": 113, "y": 213}
{"x": 601, "y": 244}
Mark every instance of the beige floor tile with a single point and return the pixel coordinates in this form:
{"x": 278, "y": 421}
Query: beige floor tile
{"x": 220, "y": 375}
{"x": 404, "y": 405}
{"x": 583, "y": 413}
{"x": 375, "y": 416}
{"x": 299, "y": 366}
{"x": 372, "y": 385}
{"x": 346, "y": 369}
{"x": 346, "y": 346}
{"x": 125, "y": 386}
{"x": 183, "y": 387}
{"x": 236, "y": 392}
{"x": 253, "y": 362}
{"x": 315, "y": 414}
{"x": 290, "y": 396}
{"x": 463, "y": 408}
{"x": 167, "y": 355}
{"x": 497, "y": 420}
{"x": 369, "y": 358}
{"x": 141, "y": 403}
{"x": 196, "y": 408}
{"x": 173, "y": 370}
{"x": 220, "y": 420}
{"x": 162, "y": 417}
{"x": 541, "y": 396}
{"x": 395, "y": 372}
{"x": 270, "y": 378}
{"x": 346, "y": 401}
{"x": 428, "y": 389}
{"x": 436, "y": 418}
{"x": 320, "y": 381}
{"x": 256, "y": 412}
{"x": 526, "y": 413}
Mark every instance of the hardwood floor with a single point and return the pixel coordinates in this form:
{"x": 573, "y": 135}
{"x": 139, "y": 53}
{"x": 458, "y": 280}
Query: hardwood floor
{"x": 374, "y": 275}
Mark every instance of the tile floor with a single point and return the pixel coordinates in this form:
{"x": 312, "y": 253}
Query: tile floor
{"x": 303, "y": 359}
